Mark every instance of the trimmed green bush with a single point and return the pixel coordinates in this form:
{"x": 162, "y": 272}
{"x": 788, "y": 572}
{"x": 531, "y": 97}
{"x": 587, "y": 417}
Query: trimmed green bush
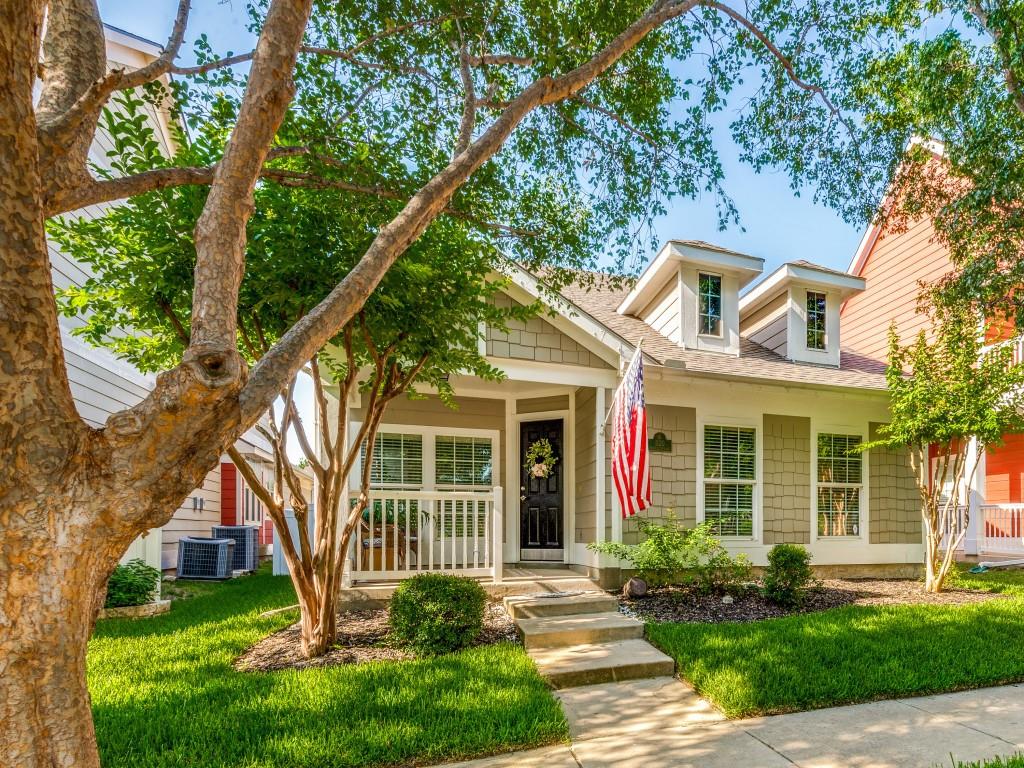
{"x": 788, "y": 574}
{"x": 133, "y": 583}
{"x": 435, "y": 613}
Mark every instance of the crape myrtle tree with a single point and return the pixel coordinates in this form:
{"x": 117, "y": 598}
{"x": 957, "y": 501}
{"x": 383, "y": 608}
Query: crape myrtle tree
{"x": 946, "y": 392}
{"x": 418, "y": 327}
{"x": 557, "y": 131}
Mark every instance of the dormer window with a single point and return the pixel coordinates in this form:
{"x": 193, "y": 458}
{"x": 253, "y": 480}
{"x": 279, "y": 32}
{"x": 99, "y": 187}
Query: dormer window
{"x": 816, "y": 311}
{"x": 709, "y": 310}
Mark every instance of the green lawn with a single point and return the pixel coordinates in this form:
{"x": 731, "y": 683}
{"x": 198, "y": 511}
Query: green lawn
{"x": 1016, "y": 761}
{"x": 164, "y": 694}
{"x": 852, "y": 654}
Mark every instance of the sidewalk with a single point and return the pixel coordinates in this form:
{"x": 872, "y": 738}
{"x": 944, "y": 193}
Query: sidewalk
{"x": 662, "y": 723}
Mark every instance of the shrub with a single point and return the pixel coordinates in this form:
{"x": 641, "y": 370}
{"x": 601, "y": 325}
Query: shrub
{"x": 661, "y": 556}
{"x": 715, "y": 570}
{"x": 671, "y": 553}
{"x": 788, "y": 574}
{"x": 435, "y": 613}
{"x": 133, "y": 583}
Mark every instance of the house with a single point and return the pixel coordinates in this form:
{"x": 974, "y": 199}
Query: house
{"x": 895, "y": 264}
{"x": 753, "y": 402}
{"x": 102, "y": 384}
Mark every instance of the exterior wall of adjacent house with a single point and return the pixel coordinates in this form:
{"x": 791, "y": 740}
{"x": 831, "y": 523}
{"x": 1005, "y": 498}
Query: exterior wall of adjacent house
{"x": 896, "y": 263}
{"x": 1004, "y": 472}
{"x": 102, "y": 384}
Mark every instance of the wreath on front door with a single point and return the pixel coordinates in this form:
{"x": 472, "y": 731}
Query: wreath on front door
{"x": 540, "y": 458}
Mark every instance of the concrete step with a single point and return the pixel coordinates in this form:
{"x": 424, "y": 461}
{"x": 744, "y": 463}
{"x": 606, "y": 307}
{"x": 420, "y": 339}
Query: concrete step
{"x": 587, "y": 664}
{"x": 576, "y": 629}
{"x": 533, "y": 607}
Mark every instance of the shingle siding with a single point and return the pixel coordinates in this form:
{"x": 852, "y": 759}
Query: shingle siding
{"x": 894, "y": 511}
{"x": 538, "y": 340}
{"x": 673, "y": 474}
{"x": 787, "y": 479}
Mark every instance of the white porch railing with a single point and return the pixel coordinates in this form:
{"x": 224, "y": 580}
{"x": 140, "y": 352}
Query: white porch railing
{"x": 403, "y": 533}
{"x": 1001, "y": 529}
{"x": 956, "y": 525}
{"x": 1016, "y": 343}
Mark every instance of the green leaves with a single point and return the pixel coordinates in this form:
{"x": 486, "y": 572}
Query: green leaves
{"x": 947, "y": 390}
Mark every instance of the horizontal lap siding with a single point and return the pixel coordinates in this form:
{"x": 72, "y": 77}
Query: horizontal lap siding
{"x": 896, "y": 265}
{"x": 193, "y": 522}
{"x": 1004, "y": 472}
{"x": 663, "y": 313}
{"x": 586, "y": 465}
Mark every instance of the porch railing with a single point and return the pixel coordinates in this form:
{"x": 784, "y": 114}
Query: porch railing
{"x": 1001, "y": 529}
{"x": 1017, "y": 345}
{"x": 956, "y": 525}
{"x": 403, "y": 533}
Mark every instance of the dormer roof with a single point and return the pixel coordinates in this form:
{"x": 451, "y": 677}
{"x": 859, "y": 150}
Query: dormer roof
{"x": 695, "y": 253}
{"x": 805, "y": 274}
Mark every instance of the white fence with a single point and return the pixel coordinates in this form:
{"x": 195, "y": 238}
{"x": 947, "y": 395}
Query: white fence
{"x": 1001, "y": 529}
{"x": 956, "y": 524}
{"x": 1017, "y": 344}
{"x": 403, "y": 533}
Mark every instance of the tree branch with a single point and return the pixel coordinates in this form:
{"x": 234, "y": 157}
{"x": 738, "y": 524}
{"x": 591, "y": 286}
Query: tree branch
{"x": 335, "y": 311}
{"x": 1012, "y": 83}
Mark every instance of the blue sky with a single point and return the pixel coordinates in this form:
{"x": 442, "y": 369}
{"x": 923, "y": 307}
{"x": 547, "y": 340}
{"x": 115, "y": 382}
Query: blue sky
{"x": 775, "y": 224}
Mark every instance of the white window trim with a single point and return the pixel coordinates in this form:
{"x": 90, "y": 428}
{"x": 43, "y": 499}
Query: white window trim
{"x": 429, "y": 447}
{"x": 807, "y": 321}
{"x": 758, "y": 515}
{"x": 865, "y": 473}
{"x": 721, "y": 300}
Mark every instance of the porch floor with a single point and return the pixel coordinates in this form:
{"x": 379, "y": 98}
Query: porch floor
{"x": 517, "y": 579}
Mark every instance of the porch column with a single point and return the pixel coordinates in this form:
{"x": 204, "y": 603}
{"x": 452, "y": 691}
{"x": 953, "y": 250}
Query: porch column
{"x": 600, "y": 473}
{"x": 975, "y": 496}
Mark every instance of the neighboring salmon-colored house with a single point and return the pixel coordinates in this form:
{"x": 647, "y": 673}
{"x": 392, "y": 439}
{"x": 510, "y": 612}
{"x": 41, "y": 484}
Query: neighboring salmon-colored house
{"x": 895, "y": 266}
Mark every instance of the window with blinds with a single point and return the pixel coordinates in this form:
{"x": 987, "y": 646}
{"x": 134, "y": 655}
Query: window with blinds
{"x": 462, "y": 461}
{"x": 730, "y": 473}
{"x": 397, "y": 460}
{"x": 840, "y": 478}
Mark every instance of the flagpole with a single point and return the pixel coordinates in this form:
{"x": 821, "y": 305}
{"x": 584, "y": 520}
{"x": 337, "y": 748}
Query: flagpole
{"x": 611, "y": 408}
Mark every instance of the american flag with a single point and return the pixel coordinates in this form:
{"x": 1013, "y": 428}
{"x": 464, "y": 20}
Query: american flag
{"x": 631, "y": 469}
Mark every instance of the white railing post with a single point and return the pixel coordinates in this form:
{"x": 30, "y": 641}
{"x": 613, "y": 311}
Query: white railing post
{"x": 497, "y": 529}
{"x": 975, "y": 495}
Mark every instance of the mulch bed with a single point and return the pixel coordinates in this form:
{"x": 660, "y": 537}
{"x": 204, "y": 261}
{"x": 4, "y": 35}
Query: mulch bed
{"x": 362, "y": 637}
{"x": 687, "y": 605}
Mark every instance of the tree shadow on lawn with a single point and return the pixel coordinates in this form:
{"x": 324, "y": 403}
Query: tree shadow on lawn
{"x": 165, "y": 694}
{"x": 847, "y": 655}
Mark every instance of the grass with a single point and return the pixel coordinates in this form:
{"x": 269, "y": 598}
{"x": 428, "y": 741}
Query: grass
{"x": 1016, "y": 761}
{"x": 164, "y": 694}
{"x": 853, "y": 654}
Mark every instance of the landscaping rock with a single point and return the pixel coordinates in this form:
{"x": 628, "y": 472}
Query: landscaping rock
{"x": 136, "y": 611}
{"x": 634, "y": 588}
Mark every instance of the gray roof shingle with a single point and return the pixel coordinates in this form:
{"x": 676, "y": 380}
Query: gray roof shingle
{"x": 600, "y": 300}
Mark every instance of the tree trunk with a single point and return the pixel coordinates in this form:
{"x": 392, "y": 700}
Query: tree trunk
{"x": 49, "y": 598}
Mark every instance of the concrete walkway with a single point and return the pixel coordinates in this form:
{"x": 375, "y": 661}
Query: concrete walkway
{"x": 662, "y": 723}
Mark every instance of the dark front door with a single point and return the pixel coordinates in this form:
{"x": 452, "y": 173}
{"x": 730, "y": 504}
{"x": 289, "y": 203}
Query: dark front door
{"x": 541, "y": 530}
